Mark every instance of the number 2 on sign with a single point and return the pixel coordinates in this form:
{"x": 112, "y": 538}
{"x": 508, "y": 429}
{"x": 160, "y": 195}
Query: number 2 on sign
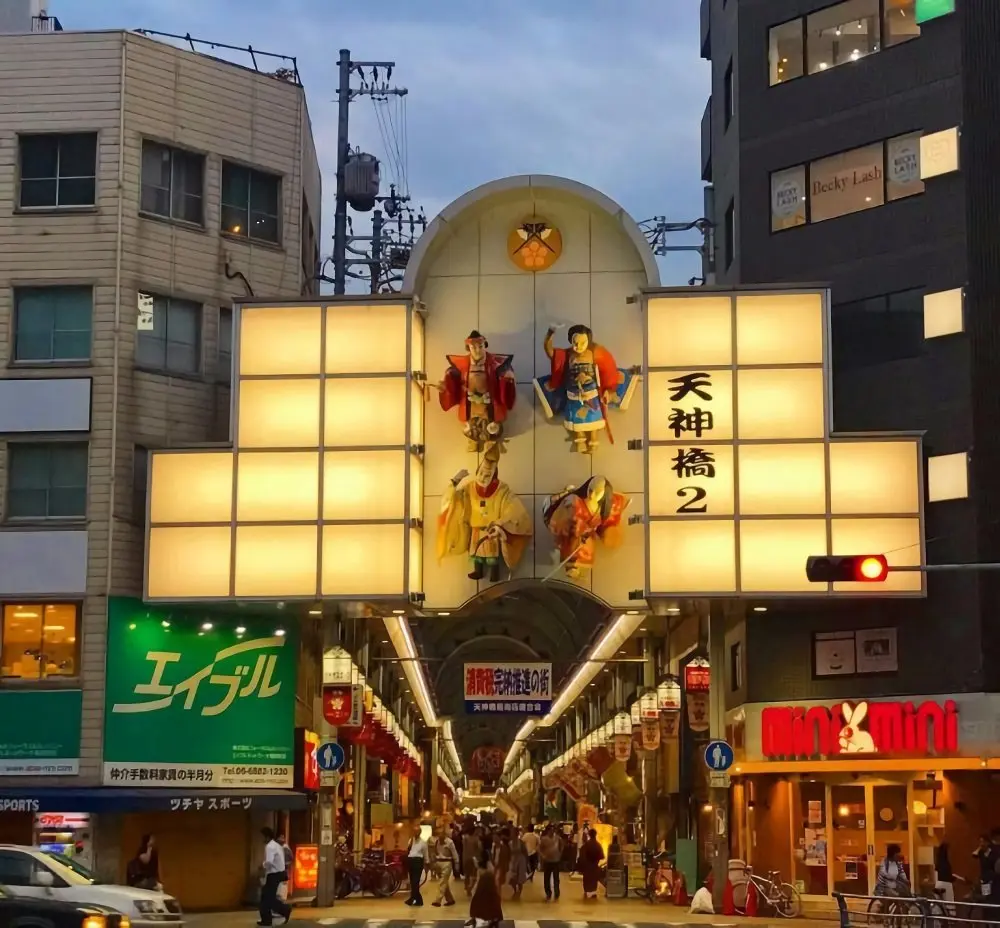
{"x": 689, "y": 506}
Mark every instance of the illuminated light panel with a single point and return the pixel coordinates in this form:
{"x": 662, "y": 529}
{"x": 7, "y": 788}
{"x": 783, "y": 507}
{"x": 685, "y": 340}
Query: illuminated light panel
{"x": 359, "y": 485}
{"x": 944, "y": 313}
{"x": 947, "y": 477}
{"x": 280, "y": 341}
{"x": 365, "y": 411}
{"x": 940, "y": 153}
{"x": 278, "y": 414}
{"x": 277, "y": 486}
{"x": 744, "y": 480}
{"x": 275, "y": 557}
{"x": 191, "y": 487}
{"x": 366, "y": 560}
{"x": 188, "y": 563}
{"x": 286, "y": 488}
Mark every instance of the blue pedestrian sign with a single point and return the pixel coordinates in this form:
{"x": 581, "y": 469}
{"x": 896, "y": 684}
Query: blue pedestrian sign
{"x": 719, "y": 755}
{"x": 330, "y": 757}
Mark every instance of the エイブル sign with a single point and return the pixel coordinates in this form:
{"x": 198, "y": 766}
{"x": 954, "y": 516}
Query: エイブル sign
{"x": 900, "y": 728}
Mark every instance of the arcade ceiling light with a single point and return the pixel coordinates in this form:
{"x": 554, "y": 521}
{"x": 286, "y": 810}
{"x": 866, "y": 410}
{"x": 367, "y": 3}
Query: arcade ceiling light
{"x": 618, "y": 632}
{"x": 399, "y": 634}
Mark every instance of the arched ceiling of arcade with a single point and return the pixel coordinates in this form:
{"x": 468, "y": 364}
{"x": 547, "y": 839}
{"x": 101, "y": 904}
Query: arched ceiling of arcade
{"x": 552, "y": 622}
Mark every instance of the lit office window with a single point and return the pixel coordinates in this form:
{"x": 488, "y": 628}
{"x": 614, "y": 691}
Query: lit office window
{"x": 900, "y": 22}
{"x": 841, "y": 34}
{"x": 786, "y": 51}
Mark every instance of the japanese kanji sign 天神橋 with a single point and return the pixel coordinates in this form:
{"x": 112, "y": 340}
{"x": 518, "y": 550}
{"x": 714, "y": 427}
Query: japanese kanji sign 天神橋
{"x": 744, "y": 479}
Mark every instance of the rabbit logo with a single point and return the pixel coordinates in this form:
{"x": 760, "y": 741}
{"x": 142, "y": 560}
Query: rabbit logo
{"x": 852, "y": 739}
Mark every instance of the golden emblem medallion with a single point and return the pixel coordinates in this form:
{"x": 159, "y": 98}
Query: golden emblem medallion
{"x": 534, "y": 245}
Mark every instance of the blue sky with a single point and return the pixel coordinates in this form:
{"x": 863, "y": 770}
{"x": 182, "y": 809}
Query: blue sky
{"x": 610, "y": 94}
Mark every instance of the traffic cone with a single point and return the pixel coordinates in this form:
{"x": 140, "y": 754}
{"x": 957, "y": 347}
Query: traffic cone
{"x": 751, "y": 911}
{"x": 728, "y": 905}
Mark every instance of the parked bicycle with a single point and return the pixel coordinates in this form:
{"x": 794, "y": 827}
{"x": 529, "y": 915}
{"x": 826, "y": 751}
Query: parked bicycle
{"x": 372, "y": 876}
{"x": 772, "y": 893}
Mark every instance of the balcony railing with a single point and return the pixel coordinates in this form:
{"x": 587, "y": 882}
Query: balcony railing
{"x": 45, "y": 23}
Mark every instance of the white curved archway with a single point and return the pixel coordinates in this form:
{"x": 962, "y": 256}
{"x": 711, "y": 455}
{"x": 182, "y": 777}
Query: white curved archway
{"x": 480, "y": 197}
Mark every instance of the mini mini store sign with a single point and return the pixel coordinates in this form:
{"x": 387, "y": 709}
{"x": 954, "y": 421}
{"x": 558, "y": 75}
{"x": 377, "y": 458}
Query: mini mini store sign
{"x": 883, "y": 728}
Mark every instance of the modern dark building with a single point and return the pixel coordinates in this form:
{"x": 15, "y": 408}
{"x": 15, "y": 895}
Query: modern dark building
{"x": 857, "y": 144}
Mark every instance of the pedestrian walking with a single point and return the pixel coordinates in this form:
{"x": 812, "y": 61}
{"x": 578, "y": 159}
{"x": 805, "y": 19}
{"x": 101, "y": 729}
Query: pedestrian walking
{"x": 143, "y": 870}
{"x": 472, "y": 852}
{"x": 486, "y": 907}
{"x": 274, "y": 875}
{"x": 531, "y": 839}
{"x": 591, "y": 855}
{"x": 518, "y": 871}
{"x": 446, "y": 862}
{"x": 550, "y": 849}
{"x": 417, "y": 857}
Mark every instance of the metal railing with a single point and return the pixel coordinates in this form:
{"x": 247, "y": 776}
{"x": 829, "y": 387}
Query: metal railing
{"x": 915, "y": 912}
{"x": 287, "y": 66}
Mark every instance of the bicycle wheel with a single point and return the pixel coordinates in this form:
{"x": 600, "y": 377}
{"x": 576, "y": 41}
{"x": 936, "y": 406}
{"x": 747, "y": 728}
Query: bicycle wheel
{"x": 384, "y": 883}
{"x": 907, "y": 914}
{"x": 787, "y": 903}
{"x": 876, "y": 912}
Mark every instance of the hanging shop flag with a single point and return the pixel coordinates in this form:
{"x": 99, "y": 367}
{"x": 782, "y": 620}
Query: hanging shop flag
{"x": 623, "y": 747}
{"x": 697, "y": 676}
{"x": 697, "y": 705}
{"x": 338, "y": 705}
{"x": 517, "y": 689}
{"x": 650, "y": 734}
{"x": 670, "y": 724}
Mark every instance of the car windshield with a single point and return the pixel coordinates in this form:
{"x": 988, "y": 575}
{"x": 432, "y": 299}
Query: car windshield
{"x": 76, "y": 874}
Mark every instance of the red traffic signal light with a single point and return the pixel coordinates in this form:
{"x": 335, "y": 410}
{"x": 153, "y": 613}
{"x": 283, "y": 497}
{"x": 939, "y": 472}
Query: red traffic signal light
{"x": 847, "y": 568}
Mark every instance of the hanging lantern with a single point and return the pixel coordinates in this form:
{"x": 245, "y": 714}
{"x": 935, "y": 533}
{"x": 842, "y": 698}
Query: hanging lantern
{"x": 668, "y": 694}
{"x": 648, "y": 706}
{"x": 635, "y": 716}
{"x": 622, "y": 724}
{"x": 697, "y": 676}
{"x": 337, "y": 667}
{"x": 623, "y": 747}
{"x": 609, "y": 732}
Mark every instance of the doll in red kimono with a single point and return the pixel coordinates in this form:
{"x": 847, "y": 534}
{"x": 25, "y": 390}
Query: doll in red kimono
{"x": 482, "y": 386}
{"x": 579, "y": 516}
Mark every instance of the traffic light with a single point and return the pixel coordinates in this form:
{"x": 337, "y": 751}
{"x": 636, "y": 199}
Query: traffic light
{"x": 847, "y": 568}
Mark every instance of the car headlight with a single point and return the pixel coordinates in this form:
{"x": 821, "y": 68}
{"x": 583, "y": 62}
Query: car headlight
{"x": 145, "y": 906}
{"x": 124, "y": 922}
{"x": 95, "y": 921}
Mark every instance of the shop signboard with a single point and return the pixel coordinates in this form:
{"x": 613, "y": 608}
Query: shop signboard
{"x": 497, "y": 688}
{"x": 887, "y": 728}
{"x": 932, "y": 9}
{"x": 40, "y": 732}
{"x": 198, "y": 700}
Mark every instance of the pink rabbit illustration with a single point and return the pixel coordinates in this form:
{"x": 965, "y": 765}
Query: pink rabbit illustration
{"x": 852, "y": 739}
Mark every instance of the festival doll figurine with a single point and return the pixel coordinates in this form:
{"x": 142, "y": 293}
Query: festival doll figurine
{"x": 481, "y": 518}
{"x": 584, "y": 383}
{"x": 578, "y": 516}
{"x": 482, "y": 386}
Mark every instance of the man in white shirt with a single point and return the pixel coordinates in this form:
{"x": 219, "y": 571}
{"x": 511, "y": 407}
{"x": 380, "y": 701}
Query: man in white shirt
{"x": 274, "y": 875}
{"x": 531, "y": 839}
{"x": 417, "y": 857}
{"x": 446, "y": 862}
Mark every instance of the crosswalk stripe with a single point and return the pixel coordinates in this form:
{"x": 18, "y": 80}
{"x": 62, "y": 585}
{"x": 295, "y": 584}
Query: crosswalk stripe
{"x": 520, "y": 924}
{"x": 328, "y": 921}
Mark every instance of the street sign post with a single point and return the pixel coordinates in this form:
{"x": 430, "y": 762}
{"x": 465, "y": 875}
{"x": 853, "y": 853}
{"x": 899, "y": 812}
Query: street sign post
{"x": 330, "y": 757}
{"x": 719, "y": 756}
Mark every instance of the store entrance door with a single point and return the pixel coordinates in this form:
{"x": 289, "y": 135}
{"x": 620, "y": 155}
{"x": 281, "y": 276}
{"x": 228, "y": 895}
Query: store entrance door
{"x": 864, "y": 819}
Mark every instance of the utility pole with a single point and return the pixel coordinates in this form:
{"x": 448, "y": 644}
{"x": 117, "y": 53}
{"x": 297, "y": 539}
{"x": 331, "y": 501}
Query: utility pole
{"x": 345, "y": 96}
{"x": 376, "y": 264}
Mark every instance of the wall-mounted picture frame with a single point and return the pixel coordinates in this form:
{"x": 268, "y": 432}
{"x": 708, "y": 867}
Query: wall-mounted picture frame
{"x": 834, "y": 654}
{"x": 876, "y": 650}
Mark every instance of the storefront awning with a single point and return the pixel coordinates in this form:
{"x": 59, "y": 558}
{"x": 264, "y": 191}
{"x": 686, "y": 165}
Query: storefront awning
{"x": 112, "y": 799}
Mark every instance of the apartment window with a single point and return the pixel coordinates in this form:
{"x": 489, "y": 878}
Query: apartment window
{"x": 250, "y": 203}
{"x": 52, "y": 323}
{"x": 169, "y": 335}
{"x": 225, "y": 344}
{"x": 877, "y": 330}
{"x": 786, "y": 51}
{"x": 842, "y": 33}
{"x": 900, "y": 22}
{"x": 140, "y": 475}
{"x": 729, "y": 95}
{"x": 730, "y": 233}
{"x": 39, "y": 641}
{"x": 172, "y": 183}
{"x": 848, "y": 182}
{"x": 838, "y": 34}
{"x": 58, "y": 171}
{"x": 46, "y": 480}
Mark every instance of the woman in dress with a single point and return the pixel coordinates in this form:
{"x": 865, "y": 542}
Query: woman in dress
{"x": 591, "y": 855}
{"x": 518, "y": 873}
{"x": 485, "y": 909}
{"x": 501, "y": 858}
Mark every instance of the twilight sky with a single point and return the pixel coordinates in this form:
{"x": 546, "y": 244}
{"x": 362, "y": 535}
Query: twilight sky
{"x": 610, "y": 94}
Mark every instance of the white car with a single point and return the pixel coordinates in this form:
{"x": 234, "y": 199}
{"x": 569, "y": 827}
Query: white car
{"x": 28, "y": 871}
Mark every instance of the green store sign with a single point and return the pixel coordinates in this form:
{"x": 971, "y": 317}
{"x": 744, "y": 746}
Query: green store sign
{"x": 40, "y": 732}
{"x": 932, "y": 9}
{"x": 198, "y": 700}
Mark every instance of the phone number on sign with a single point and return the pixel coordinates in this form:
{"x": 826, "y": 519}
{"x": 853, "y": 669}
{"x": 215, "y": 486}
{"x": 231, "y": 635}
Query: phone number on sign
{"x": 247, "y": 771}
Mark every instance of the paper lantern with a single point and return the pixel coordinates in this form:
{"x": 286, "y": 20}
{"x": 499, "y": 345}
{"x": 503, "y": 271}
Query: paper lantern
{"x": 668, "y": 694}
